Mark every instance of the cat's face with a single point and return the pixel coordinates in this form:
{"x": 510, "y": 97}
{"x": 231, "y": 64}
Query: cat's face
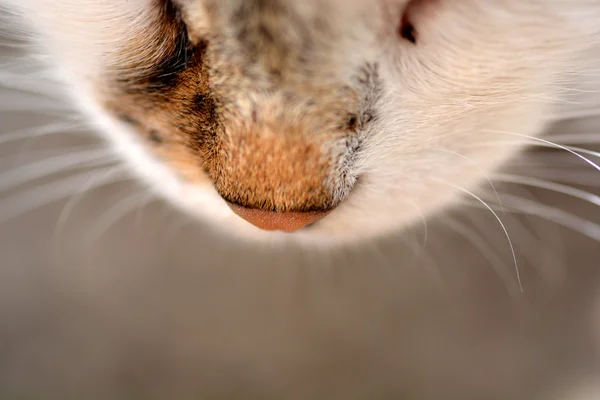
{"x": 356, "y": 116}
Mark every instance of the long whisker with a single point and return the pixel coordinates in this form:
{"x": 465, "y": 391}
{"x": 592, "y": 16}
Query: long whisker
{"x": 553, "y": 186}
{"x": 560, "y": 217}
{"x": 97, "y": 180}
{"x": 576, "y": 138}
{"x": 573, "y": 150}
{"x": 47, "y": 129}
{"x": 21, "y": 101}
{"x": 484, "y": 248}
{"x": 47, "y": 167}
{"x": 40, "y": 196}
{"x": 567, "y": 176}
{"x": 476, "y": 165}
{"x": 533, "y": 241}
{"x": 33, "y": 86}
{"x": 570, "y": 149}
{"x": 116, "y": 213}
{"x": 512, "y": 248}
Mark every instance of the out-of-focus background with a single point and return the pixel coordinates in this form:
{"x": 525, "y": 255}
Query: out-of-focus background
{"x": 108, "y": 293}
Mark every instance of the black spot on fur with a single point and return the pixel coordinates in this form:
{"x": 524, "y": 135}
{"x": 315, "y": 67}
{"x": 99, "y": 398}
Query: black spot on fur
{"x": 352, "y": 122}
{"x": 155, "y": 137}
{"x": 407, "y": 30}
{"x": 128, "y": 119}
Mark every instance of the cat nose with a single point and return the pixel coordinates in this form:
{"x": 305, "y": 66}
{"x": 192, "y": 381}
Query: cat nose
{"x": 289, "y": 221}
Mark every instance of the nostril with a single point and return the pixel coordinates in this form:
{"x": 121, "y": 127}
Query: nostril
{"x": 277, "y": 221}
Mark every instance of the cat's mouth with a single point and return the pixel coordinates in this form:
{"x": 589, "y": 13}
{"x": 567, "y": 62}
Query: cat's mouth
{"x": 288, "y": 221}
{"x": 278, "y": 221}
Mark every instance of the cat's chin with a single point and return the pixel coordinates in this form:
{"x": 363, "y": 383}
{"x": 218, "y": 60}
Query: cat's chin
{"x": 202, "y": 202}
{"x": 343, "y": 226}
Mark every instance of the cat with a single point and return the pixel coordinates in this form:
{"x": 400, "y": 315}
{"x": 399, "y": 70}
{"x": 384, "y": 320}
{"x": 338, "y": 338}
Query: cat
{"x": 322, "y": 121}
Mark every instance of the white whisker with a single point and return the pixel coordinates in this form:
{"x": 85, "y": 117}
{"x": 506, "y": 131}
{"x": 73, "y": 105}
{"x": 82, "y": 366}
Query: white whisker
{"x": 47, "y": 167}
{"x": 567, "y": 176}
{"x": 573, "y": 150}
{"x": 560, "y": 217}
{"x": 484, "y": 248}
{"x": 30, "y": 103}
{"x": 553, "y": 186}
{"x": 33, "y": 86}
{"x": 21, "y": 203}
{"x": 425, "y": 225}
{"x": 140, "y": 211}
{"x": 512, "y": 248}
{"x": 117, "y": 212}
{"x": 97, "y": 180}
{"x": 47, "y": 129}
{"x": 476, "y": 165}
{"x": 576, "y": 138}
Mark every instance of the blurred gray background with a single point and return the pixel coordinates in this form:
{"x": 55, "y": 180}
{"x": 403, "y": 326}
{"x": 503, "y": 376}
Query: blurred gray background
{"x": 130, "y": 299}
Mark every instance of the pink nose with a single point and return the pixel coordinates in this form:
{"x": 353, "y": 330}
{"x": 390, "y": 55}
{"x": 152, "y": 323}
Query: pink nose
{"x": 277, "y": 221}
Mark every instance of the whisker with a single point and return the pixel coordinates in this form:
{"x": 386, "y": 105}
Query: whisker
{"x": 47, "y": 129}
{"x": 573, "y": 150}
{"x": 512, "y": 248}
{"x": 560, "y": 217}
{"x": 425, "y": 238}
{"x": 20, "y": 101}
{"x": 117, "y": 212}
{"x": 49, "y": 166}
{"x": 548, "y": 185}
{"x": 567, "y": 176}
{"x": 26, "y": 201}
{"x": 140, "y": 211}
{"x": 34, "y": 85}
{"x": 476, "y": 165}
{"x": 97, "y": 180}
{"x": 539, "y": 244}
{"x": 484, "y": 248}
{"x": 576, "y": 138}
